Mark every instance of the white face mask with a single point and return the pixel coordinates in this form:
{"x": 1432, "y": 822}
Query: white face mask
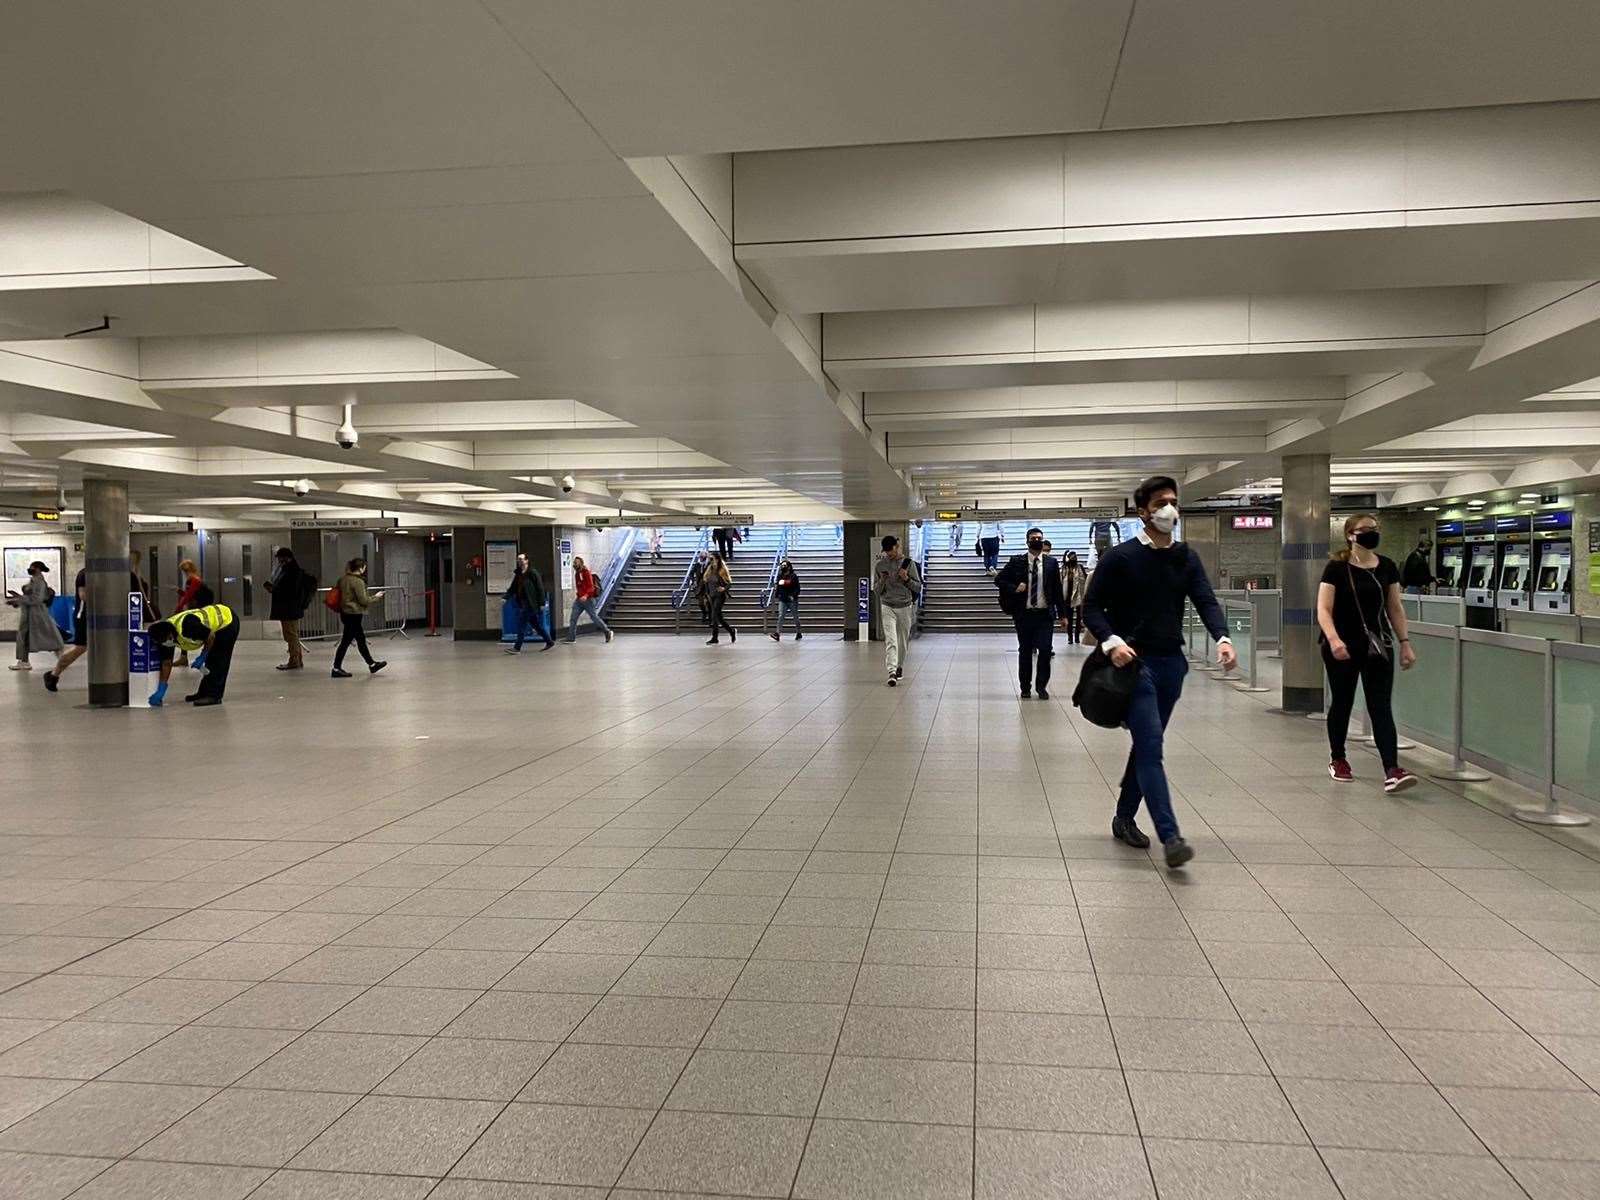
{"x": 1165, "y": 518}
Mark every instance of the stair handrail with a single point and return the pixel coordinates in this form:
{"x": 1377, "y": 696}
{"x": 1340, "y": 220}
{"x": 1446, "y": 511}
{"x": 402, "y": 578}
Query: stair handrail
{"x": 924, "y": 545}
{"x": 614, "y": 569}
{"x": 680, "y": 594}
{"x": 778, "y": 556}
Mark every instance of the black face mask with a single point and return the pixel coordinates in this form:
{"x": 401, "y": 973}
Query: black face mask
{"x": 1367, "y": 539}
{"x": 1035, "y": 544}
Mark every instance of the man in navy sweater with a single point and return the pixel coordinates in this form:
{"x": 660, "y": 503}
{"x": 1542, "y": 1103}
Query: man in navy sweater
{"x": 1134, "y": 608}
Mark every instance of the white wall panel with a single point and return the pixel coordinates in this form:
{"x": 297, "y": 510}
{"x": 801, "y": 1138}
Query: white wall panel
{"x": 932, "y": 332}
{"x": 710, "y": 178}
{"x": 1538, "y": 154}
{"x": 1232, "y": 171}
{"x": 1343, "y": 316}
{"x": 890, "y": 191}
{"x": 1207, "y": 321}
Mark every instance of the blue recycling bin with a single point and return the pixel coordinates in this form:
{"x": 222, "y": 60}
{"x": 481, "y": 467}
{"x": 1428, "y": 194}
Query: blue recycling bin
{"x": 510, "y": 614}
{"x": 61, "y": 612}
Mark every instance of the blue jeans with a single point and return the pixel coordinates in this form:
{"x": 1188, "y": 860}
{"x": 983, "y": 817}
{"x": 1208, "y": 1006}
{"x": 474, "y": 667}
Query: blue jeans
{"x": 991, "y": 552}
{"x": 584, "y": 606}
{"x": 1154, "y": 698}
{"x": 1035, "y": 632}
{"x": 532, "y": 619}
{"x": 789, "y": 609}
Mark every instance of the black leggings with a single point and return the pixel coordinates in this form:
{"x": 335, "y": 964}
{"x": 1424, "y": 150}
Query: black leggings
{"x": 1074, "y": 623}
{"x": 353, "y": 632}
{"x": 718, "y": 622}
{"x": 1375, "y": 673}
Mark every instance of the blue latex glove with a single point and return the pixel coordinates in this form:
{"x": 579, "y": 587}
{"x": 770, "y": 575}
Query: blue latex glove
{"x": 198, "y": 662}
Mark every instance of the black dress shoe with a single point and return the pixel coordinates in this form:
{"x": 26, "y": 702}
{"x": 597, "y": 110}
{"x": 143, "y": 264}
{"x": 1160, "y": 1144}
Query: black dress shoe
{"x": 1129, "y": 833}
{"x": 374, "y": 668}
{"x": 1027, "y": 693}
{"x": 206, "y": 702}
{"x": 340, "y": 673}
{"x": 1178, "y": 852}
{"x": 1043, "y": 695}
{"x": 191, "y": 699}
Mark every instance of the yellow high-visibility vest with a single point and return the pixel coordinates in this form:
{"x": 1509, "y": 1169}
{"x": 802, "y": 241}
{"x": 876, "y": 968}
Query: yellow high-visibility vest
{"x": 213, "y": 616}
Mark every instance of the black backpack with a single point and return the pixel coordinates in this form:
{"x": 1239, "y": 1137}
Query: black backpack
{"x": 1105, "y": 690}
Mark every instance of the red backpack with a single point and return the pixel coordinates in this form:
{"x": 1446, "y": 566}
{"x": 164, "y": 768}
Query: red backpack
{"x": 332, "y": 599}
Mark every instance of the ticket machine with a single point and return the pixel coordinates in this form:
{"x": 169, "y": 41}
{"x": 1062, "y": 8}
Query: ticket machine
{"x": 1482, "y": 573}
{"x": 1450, "y": 572}
{"x": 1514, "y": 587}
{"x": 1552, "y": 575}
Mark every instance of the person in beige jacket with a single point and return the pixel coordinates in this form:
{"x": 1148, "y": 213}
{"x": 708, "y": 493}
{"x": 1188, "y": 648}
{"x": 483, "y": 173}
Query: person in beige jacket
{"x": 354, "y": 600}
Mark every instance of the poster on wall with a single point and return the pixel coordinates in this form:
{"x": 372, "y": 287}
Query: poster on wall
{"x": 17, "y": 559}
{"x": 566, "y": 565}
{"x": 501, "y": 560}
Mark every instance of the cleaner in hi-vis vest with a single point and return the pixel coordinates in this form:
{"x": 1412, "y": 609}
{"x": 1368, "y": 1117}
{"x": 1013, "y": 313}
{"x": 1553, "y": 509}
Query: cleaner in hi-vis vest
{"x": 212, "y": 629}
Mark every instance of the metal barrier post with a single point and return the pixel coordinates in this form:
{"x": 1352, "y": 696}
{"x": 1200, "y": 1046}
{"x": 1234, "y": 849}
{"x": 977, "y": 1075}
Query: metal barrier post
{"x": 1550, "y": 812}
{"x": 433, "y": 612}
{"x": 1459, "y": 771}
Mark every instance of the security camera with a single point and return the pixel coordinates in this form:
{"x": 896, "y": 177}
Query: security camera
{"x": 346, "y": 434}
{"x": 568, "y": 483}
{"x": 302, "y": 486}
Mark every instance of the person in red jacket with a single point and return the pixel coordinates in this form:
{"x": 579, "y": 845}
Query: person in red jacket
{"x": 585, "y": 598}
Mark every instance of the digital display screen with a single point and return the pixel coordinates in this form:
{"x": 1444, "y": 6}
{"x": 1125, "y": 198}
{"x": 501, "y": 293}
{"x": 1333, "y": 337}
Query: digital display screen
{"x": 1253, "y": 521}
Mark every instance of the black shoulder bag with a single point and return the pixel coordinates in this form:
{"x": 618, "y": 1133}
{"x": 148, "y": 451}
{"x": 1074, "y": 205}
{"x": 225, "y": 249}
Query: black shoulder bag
{"x": 1378, "y": 642}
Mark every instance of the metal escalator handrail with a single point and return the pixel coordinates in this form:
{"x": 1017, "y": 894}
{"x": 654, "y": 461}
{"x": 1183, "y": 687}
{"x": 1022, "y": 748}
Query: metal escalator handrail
{"x": 615, "y": 567}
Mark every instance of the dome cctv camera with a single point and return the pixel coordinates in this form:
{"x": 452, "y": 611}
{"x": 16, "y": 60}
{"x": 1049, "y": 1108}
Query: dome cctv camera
{"x": 302, "y": 486}
{"x": 346, "y": 434}
{"x": 568, "y": 483}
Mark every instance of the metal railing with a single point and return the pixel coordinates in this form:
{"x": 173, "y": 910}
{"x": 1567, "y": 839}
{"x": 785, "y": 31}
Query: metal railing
{"x": 386, "y": 616}
{"x": 1266, "y": 615}
{"x": 769, "y": 590}
{"x": 922, "y": 546}
{"x": 681, "y": 593}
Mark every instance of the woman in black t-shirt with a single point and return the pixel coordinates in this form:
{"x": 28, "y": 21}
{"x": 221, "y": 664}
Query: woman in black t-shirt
{"x": 1359, "y": 613}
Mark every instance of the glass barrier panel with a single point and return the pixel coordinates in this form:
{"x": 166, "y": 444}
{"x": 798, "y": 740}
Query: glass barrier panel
{"x": 1425, "y": 696}
{"x": 1412, "y": 607}
{"x": 1241, "y": 628}
{"x": 1503, "y": 705}
{"x": 1578, "y": 726}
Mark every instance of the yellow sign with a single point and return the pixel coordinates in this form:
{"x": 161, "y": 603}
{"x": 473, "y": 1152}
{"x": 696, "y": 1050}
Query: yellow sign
{"x": 1594, "y": 574}
{"x": 46, "y": 516}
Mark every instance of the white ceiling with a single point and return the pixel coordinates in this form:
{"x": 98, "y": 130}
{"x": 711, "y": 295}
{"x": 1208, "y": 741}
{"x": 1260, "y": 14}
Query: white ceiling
{"x": 488, "y": 177}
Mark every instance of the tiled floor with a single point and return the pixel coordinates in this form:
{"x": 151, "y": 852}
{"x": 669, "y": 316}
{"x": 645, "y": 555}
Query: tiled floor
{"x": 655, "y": 918}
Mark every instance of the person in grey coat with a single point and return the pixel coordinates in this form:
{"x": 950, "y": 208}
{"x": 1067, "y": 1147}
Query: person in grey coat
{"x": 36, "y": 628}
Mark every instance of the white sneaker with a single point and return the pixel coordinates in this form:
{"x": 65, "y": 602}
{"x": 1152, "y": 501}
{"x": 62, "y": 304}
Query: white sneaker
{"x": 21, "y": 666}
{"x": 610, "y": 636}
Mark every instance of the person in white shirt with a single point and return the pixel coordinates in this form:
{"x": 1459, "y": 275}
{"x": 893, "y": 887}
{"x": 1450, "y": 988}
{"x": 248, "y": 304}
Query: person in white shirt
{"x": 989, "y": 539}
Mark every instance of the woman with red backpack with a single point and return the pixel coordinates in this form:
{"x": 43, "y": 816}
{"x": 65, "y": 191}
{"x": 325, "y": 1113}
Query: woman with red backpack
{"x": 585, "y": 599}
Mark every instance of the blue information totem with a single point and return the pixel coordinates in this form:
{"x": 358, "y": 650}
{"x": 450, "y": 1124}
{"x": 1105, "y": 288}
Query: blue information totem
{"x": 142, "y": 658}
{"x": 863, "y": 608}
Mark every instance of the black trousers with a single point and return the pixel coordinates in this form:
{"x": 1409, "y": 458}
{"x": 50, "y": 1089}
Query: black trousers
{"x": 724, "y": 544}
{"x": 1036, "y": 632}
{"x": 1375, "y": 673}
{"x": 353, "y": 632}
{"x": 718, "y": 622}
{"x": 218, "y": 660}
{"x": 1074, "y": 624}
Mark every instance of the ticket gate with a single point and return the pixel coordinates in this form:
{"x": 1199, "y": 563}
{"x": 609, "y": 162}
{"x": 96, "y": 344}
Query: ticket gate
{"x": 1552, "y": 586}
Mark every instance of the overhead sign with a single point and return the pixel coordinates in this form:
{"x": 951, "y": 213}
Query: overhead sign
{"x": 142, "y": 527}
{"x": 46, "y": 515}
{"x": 693, "y": 520}
{"x": 1109, "y": 512}
{"x": 344, "y": 522}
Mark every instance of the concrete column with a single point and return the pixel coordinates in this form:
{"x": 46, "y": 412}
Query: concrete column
{"x": 1305, "y": 553}
{"x": 105, "y": 520}
{"x": 470, "y": 600}
{"x": 860, "y": 552}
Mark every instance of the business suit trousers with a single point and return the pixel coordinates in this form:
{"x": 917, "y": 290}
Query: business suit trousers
{"x": 1035, "y": 641}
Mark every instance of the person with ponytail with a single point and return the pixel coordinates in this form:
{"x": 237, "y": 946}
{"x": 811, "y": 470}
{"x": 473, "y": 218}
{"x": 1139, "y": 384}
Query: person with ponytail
{"x": 1362, "y": 622}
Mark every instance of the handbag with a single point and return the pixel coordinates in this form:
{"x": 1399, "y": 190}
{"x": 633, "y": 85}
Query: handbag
{"x": 1377, "y": 642}
{"x": 1105, "y": 691}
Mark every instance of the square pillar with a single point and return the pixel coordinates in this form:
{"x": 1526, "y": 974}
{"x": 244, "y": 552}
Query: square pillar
{"x": 105, "y": 521}
{"x": 1306, "y": 501}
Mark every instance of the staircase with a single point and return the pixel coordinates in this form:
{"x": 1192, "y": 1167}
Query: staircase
{"x": 961, "y": 598}
{"x": 818, "y": 558}
{"x": 644, "y": 597}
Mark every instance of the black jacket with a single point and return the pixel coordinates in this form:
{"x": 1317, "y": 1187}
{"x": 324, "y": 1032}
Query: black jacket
{"x": 787, "y": 587}
{"x": 291, "y": 592}
{"x": 1417, "y": 572}
{"x": 1016, "y": 571}
{"x": 527, "y": 589}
